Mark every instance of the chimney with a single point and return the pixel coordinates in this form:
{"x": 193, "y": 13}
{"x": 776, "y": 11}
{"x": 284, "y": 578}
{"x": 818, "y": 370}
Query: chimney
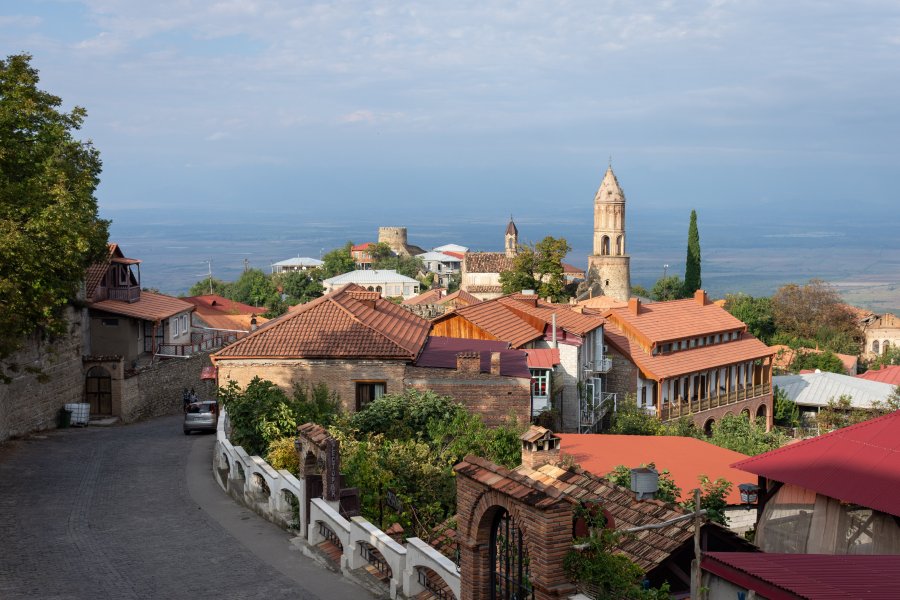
{"x": 369, "y": 302}
{"x": 468, "y": 362}
{"x": 644, "y": 483}
{"x": 539, "y": 447}
{"x": 495, "y": 363}
{"x": 634, "y": 306}
{"x": 578, "y": 308}
{"x": 701, "y": 298}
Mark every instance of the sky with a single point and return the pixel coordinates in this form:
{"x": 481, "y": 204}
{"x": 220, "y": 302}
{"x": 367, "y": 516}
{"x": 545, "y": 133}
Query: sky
{"x": 478, "y": 109}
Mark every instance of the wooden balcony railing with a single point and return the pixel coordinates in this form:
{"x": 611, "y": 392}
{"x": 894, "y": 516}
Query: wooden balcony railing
{"x": 124, "y": 294}
{"x": 681, "y": 407}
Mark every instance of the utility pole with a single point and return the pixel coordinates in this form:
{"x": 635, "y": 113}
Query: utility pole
{"x": 246, "y": 265}
{"x": 209, "y": 271}
{"x": 696, "y": 573}
{"x": 665, "y": 270}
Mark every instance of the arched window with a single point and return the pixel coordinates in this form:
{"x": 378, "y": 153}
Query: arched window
{"x": 620, "y": 245}
{"x": 876, "y": 348}
{"x": 884, "y": 346}
{"x": 510, "y": 573}
{"x": 604, "y": 245}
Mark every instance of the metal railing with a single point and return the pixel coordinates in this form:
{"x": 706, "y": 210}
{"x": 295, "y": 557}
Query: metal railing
{"x": 199, "y": 343}
{"x": 326, "y": 532}
{"x": 374, "y": 558}
{"x": 593, "y": 410}
{"x": 683, "y": 407}
{"x": 438, "y": 589}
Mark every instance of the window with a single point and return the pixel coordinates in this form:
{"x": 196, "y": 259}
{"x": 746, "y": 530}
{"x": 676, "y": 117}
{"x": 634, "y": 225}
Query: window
{"x": 174, "y": 326}
{"x": 368, "y": 391}
{"x": 184, "y": 327}
{"x": 693, "y": 342}
{"x": 540, "y": 383}
{"x": 115, "y": 323}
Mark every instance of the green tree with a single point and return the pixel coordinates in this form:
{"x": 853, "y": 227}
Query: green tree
{"x": 338, "y": 261}
{"x": 692, "y": 281}
{"x": 49, "y": 228}
{"x": 815, "y": 312}
{"x": 668, "y": 288}
{"x": 640, "y": 291}
{"x": 824, "y": 361}
{"x": 300, "y": 286}
{"x": 839, "y": 412}
{"x": 889, "y": 356}
{"x": 538, "y": 268}
{"x": 738, "y": 433}
{"x": 201, "y": 288}
{"x": 713, "y": 498}
{"x": 521, "y": 277}
{"x": 255, "y": 288}
{"x": 410, "y": 266}
{"x": 786, "y": 412}
{"x": 668, "y": 491}
{"x": 455, "y": 281}
{"x": 631, "y": 419}
{"x": 755, "y": 312}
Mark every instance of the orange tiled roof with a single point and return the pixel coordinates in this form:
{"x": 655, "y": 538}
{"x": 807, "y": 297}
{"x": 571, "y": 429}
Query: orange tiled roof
{"x": 361, "y": 247}
{"x": 572, "y": 269}
{"x": 348, "y": 323}
{"x": 487, "y": 262}
{"x": 499, "y": 321}
{"x": 213, "y": 303}
{"x": 432, "y": 296}
{"x": 664, "y": 366}
{"x": 784, "y": 356}
{"x": 97, "y": 271}
{"x": 674, "y": 320}
{"x": 888, "y": 374}
{"x": 567, "y": 318}
{"x": 602, "y": 303}
{"x": 460, "y": 298}
{"x": 685, "y": 458}
{"x": 151, "y": 307}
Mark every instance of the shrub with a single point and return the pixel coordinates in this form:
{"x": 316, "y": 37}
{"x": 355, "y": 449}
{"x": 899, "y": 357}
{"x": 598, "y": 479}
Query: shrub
{"x": 283, "y": 455}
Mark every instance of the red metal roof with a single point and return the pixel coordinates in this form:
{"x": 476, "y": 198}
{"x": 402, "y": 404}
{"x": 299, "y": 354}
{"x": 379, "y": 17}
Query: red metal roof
{"x": 685, "y": 458}
{"x": 858, "y": 464}
{"x": 543, "y": 358}
{"x": 889, "y": 374}
{"x": 441, "y": 352}
{"x": 814, "y": 576}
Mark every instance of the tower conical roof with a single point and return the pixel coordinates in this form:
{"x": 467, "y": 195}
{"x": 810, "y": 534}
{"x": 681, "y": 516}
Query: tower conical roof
{"x": 511, "y": 228}
{"x": 609, "y": 190}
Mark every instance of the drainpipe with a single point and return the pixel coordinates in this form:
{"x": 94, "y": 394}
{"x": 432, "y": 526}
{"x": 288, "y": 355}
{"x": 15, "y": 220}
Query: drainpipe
{"x": 553, "y": 338}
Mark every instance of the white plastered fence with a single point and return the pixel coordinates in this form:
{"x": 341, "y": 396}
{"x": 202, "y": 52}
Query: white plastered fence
{"x": 278, "y": 496}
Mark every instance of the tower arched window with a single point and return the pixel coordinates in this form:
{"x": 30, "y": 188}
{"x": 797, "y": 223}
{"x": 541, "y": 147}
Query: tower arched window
{"x": 885, "y": 345}
{"x": 620, "y": 245}
{"x": 876, "y": 347}
{"x": 604, "y": 245}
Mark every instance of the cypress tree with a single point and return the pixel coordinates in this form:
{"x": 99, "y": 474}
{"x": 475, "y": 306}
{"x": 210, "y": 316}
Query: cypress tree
{"x": 692, "y": 281}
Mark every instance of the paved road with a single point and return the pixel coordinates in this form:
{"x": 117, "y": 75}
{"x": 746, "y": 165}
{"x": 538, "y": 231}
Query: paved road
{"x": 133, "y": 512}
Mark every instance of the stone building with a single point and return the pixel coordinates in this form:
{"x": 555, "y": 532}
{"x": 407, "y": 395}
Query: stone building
{"x": 882, "y": 333}
{"x": 396, "y": 238}
{"x": 363, "y": 347}
{"x": 480, "y": 271}
{"x": 610, "y": 262}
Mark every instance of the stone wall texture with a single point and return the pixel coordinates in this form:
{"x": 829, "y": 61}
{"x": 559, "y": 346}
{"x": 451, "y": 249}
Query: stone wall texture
{"x": 31, "y": 402}
{"x": 156, "y": 390}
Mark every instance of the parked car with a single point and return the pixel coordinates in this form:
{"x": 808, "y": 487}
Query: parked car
{"x": 201, "y": 416}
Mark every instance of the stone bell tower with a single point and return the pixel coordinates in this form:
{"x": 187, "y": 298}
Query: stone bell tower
{"x": 511, "y": 239}
{"x": 609, "y": 260}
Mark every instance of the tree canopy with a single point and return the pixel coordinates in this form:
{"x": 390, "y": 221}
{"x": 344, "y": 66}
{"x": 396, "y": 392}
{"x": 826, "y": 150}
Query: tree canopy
{"x": 338, "y": 261}
{"x": 668, "y": 288}
{"x": 755, "y": 312}
{"x": 539, "y": 268}
{"x": 815, "y": 312}
{"x": 692, "y": 281}
{"x": 50, "y": 231}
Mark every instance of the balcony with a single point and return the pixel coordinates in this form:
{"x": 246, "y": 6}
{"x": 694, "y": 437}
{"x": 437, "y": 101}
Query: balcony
{"x": 684, "y": 408}
{"x": 602, "y": 365}
{"x": 593, "y": 409}
{"x": 128, "y": 294}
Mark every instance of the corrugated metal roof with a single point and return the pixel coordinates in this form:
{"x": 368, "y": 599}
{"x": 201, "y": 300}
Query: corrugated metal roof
{"x": 814, "y": 576}
{"x": 685, "y": 458}
{"x": 370, "y": 276}
{"x": 299, "y": 261}
{"x": 441, "y": 353}
{"x": 859, "y": 464}
{"x": 437, "y": 256}
{"x": 542, "y": 358}
{"x": 451, "y": 248}
{"x": 816, "y": 389}
{"x": 889, "y": 374}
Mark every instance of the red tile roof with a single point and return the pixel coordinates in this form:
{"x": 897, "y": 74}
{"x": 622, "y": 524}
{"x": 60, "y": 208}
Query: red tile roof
{"x": 151, "y": 307}
{"x": 460, "y": 298}
{"x": 500, "y": 322}
{"x": 542, "y": 358}
{"x": 602, "y": 303}
{"x": 577, "y": 321}
{"x": 361, "y": 247}
{"x": 813, "y": 576}
{"x": 459, "y": 255}
{"x": 97, "y": 271}
{"x": 440, "y": 352}
{"x": 660, "y": 322}
{"x": 701, "y": 358}
{"x": 572, "y": 269}
{"x": 784, "y": 356}
{"x": 215, "y": 304}
{"x": 888, "y": 374}
{"x": 432, "y": 296}
{"x": 685, "y": 458}
{"x": 858, "y": 464}
{"x": 348, "y": 323}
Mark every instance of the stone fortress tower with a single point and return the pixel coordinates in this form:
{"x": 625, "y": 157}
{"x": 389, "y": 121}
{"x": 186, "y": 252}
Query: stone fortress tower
{"x": 609, "y": 260}
{"x": 395, "y": 237}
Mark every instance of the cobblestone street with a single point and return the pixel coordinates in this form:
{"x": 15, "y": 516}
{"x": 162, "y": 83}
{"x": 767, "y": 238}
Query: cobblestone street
{"x": 133, "y": 512}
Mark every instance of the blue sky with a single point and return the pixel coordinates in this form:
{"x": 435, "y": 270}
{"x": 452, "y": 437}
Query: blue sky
{"x": 479, "y": 108}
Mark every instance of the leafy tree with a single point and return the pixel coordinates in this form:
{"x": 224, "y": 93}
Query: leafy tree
{"x": 49, "y": 229}
{"x": 338, "y": 261}
{"x": 713, "y": 497}
{"x": 839, "y": 412}
{"x": 786, "y": 413}
{"x": 692, "y": 281}
{"x": 755, "y": 312}
{"x": 631, "y": 419}
{"x": 255, "y": 288}
{"x": 639, "y": 290}
{"x": 380, "y": 251}
{"x": 410, "y": 266}
{"x": 668, "y": 288}
{"x": 300, "y": 286}
{"x": 201, "y": 288}
{"x": 824, "y": 361}
{"x": 521, "y": 277}
{"x": 746, "y": 436}
{"x": 814, "y": 311}
{"x": 889, "y": 356}
{"x": 455, "y": 281}
{"x": 404, "y": 415}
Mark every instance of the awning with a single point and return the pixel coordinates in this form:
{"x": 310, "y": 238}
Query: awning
{"x": 208, "y": 373}
{"x": 542, "y": 358}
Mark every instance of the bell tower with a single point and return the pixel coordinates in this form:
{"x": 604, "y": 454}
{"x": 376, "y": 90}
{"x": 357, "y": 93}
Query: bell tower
{"x": 609, "y": 260}
{"x": 511, "y": 239}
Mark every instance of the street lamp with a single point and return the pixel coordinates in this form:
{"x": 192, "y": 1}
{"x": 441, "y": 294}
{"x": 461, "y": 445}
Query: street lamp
{"x": 749, "y": 493}
{"x": 665, "y": 270}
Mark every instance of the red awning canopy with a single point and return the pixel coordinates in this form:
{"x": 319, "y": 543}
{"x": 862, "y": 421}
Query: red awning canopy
{"x": 208, "y": 373}
{"x": 543, "y": 358}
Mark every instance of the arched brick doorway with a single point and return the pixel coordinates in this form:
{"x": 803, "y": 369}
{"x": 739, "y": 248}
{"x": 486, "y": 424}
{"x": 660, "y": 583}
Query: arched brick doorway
{"x": 708, "y": 427}
{"x": 510, "y": 576}
{"x": 761, "y": 412}
{"x": 98, "y": 391}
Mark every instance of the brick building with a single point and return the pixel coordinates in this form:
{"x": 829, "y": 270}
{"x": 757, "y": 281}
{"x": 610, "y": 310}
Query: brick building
{"x": 363, "y": 347}
{"x": 516, "y": 526}
{"x": 688, "y": 358}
